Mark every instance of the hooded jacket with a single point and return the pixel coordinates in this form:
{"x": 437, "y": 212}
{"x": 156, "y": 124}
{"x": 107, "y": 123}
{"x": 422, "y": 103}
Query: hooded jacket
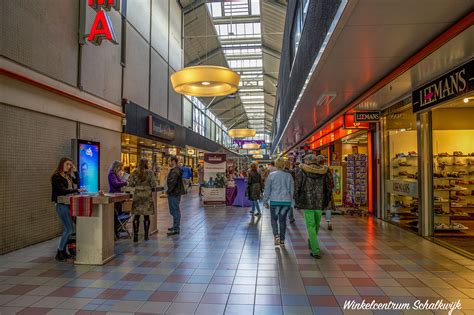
{"x": 312, "y": 187}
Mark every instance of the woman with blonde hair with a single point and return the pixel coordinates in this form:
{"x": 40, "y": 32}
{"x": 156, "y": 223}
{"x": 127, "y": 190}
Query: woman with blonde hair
{"x": 278, "y": 195}
{"x": 144, "y": 182}
{"x": 115, "y": 186}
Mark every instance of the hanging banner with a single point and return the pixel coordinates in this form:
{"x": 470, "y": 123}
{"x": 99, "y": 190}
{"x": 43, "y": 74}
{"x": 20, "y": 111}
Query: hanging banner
{"x": 214, "y": 185}
{"x": 337, "y": 178}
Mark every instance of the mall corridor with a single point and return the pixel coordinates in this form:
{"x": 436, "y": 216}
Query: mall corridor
{"x": 224, "y": 261}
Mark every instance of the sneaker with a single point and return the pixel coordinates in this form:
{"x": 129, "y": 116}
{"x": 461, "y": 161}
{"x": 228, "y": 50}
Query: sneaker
{"x": 252, "y": 212}
{"x": 276, "y": 240}
{"x": 172, "y": 232}
{"x": 282, "y": 243}
{"x": 317, "y": 256}
{"x": 170, "y": 229}
{"x": 292, "y": 221}
{"x": 258, "y": 214}
{"x": 329, "y": 226}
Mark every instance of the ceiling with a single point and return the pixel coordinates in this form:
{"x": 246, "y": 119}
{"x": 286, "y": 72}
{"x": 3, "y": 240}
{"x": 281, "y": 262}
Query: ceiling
{"x": 371, "y": 39}
{"x": 245, "y": 35}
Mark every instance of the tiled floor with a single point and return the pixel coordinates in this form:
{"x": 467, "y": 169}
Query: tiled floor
{"x": 225, "y": 262}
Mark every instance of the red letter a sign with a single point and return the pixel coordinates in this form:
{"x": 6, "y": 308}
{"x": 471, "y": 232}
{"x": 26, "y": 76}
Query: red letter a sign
{"x": 102, "y": 28}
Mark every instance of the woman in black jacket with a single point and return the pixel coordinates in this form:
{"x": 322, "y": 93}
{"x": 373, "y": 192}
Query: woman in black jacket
{"x": 254, "y": 188}
{"x": 62, "y": 182}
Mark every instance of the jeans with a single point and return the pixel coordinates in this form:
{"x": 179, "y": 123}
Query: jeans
{"x": 312, "y": 219}
{"x": 255, "y": 205}
{"x": 173, "y": 204}
{"x": 278, "y": 217}
{"x": 63, "y": 213}
{"x": 291, "y": 214}
{"x": 328, "y": 215}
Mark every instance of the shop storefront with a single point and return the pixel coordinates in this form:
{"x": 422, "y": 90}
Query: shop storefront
{"x": 347, "y": 145}
{"x": 428, "y": 160}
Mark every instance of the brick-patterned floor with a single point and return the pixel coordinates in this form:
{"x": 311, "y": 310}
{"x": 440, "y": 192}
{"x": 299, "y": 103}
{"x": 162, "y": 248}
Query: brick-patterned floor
{"x": 225, "y": 262}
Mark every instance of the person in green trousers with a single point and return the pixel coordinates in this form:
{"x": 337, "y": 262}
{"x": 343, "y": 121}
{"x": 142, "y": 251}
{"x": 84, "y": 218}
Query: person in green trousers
{"x": 313, "y": 194}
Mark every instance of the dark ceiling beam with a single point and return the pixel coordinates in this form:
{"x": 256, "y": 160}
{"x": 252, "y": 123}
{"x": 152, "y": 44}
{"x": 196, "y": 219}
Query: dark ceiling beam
{"x": 204, "y": 57}
{"x": 265, "y": 74}
{"x": 193, "y": 6}
{"x": 228, "y": 110}
{"x": 276, "y": 5}
{"x": 239, "y": 123}
{"x": 270, "y": 51}
{"x": 237, "y": 19}
{"x": 216, "y": 102}
{"x": 229, "y": 119}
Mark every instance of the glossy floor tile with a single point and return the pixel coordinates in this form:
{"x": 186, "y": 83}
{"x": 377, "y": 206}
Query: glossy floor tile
{"x": 224, "y": 262}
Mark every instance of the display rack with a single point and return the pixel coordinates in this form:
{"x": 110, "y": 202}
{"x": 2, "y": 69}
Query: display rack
{"x": 453, "y": 191}
{"x": 403, "y": 207}
{"x": 357, "y": 179}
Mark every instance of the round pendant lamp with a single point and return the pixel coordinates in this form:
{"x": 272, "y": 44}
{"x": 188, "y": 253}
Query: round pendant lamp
{"x": 242, "y": 133}
{"x": 251, "y": 145}
{"x": 205, "y": 81}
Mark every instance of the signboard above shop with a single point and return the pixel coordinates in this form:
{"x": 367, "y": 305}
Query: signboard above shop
{"x": 453, "y": 84}
{"x": 160, "y": 128}
{"x": 367, "y": 116}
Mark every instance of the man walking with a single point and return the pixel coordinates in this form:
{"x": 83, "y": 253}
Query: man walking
{"x": 313, "y": 193}
{"x": 287, "y": 169}
{"x": 186, "y": 177}
{"x": 175, "y": 185}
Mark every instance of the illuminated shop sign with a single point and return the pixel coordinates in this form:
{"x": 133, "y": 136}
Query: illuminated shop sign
{"x": 452, "y": 84}
{"x": 102, "y": 27}
{"x": 372, "y": 116}
{"x": 351, "y": 123}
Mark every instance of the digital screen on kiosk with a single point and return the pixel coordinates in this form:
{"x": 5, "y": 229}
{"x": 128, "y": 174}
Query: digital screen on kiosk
{"x": 88, "y": 165}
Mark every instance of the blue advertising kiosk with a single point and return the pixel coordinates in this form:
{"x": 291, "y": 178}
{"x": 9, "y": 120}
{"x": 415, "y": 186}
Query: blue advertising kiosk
{"x": 86, "y": 155}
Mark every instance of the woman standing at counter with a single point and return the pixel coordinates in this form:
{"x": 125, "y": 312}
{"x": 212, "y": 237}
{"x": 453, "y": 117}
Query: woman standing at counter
{"x": 62, "y": 181}
{"x": 144, "y": 182}
{"x": 115, "y": 186}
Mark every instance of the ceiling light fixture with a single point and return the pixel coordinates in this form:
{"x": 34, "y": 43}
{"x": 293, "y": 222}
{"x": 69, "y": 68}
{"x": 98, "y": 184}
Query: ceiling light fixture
{"x": 205, "y": 81}
{"x": 252, "y": 145}
{"x": 242, "y": 133}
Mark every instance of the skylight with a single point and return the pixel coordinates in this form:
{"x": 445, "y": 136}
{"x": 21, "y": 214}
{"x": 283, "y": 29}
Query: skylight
{"x": 238, "y": 26}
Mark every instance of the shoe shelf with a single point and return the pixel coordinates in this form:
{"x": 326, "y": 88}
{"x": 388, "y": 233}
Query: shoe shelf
{"x": 454, "y": 211}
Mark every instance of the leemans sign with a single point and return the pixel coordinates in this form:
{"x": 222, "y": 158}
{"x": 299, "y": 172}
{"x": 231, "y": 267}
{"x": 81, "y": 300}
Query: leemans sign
{"x": 450, "y": 85}
{"x": 372, "y": 116}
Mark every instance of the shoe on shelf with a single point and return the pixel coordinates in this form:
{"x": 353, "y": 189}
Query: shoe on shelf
{"x": 317, "y": 256}
{"x": 172, "y": 232}
{"x": 276, "y": 240}
{"x": 292, "y": 221}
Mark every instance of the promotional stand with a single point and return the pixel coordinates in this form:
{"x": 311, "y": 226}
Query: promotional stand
{"x": 214, "y": 186}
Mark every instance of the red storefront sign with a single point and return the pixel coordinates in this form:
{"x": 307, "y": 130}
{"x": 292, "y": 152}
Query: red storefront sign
{"x": 102, "y": 27}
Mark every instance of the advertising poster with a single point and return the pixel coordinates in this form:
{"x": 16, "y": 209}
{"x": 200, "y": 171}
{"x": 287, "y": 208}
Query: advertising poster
{"x": 337, "y": 177}
{"x": 88, "y": 165}
{"x": 214, "y": 186}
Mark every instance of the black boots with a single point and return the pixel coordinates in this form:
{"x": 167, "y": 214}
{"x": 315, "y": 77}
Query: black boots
{"x": 136, "y": 226}
{"x": 146, "y": 224}
{"x": 60, "y": 256}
